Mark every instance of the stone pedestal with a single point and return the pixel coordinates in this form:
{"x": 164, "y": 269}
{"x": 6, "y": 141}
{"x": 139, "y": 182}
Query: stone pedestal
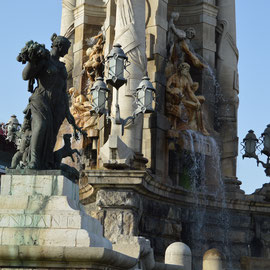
{"x": 43, "y": 209}
{"x": 43, "y": 225}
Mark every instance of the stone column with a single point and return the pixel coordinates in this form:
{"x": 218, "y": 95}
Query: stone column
{"x": 130, "y": 34}
{"x": 67, "y": 19}
{"x": 227, "y": 58}
{"x": 67, "y": 30}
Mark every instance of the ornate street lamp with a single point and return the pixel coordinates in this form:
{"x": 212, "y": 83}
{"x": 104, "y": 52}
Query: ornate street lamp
{"x": 251, "y": 143}
{"x": 144, "y": 97}
{"x": 266, "y": 141}
{"x": 118, "y": 62}
{"x": 99, "y": 92}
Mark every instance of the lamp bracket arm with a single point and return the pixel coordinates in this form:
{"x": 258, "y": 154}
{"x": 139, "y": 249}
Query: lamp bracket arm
{"x": 265, "y": 165}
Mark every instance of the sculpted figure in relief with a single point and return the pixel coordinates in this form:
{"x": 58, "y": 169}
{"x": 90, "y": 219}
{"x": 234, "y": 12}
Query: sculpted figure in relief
{"x": 94, "y": 65}
{"x": 181, "y": 91}
{"x": 183, "y": 107}
{"x": 80, "y": 110}
{"x": 179, "y": 48}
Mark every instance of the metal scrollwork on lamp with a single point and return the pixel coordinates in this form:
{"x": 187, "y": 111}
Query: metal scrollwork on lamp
{"x": 144, "y": 97}
{"x": 251, "y": 144}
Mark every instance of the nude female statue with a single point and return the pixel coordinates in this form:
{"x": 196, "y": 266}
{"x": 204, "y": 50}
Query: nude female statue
{"x": 48, "y": 105}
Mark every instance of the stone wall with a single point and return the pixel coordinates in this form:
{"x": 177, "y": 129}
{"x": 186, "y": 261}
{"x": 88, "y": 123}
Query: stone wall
{"x": 133, "y": 203}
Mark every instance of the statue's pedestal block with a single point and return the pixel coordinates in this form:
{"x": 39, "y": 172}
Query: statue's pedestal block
{"x": 43, "y": 209}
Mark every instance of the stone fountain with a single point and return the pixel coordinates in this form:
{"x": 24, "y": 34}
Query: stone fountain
{"x": 170, "y": 198}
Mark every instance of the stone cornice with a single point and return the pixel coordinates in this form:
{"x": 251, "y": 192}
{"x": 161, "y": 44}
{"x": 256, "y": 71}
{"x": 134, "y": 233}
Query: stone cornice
{"x": 205, "y": 12}
{"x": 145, "y": 184}
{"x": 89, "y": 12}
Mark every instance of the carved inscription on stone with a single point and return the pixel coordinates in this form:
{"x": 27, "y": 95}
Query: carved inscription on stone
{"x": 39, "y": 221}
{"x": 62, "y": 221}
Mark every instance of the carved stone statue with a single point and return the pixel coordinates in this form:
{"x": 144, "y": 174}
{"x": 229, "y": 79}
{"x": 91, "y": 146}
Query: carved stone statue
{"x": 20, "y": 159}
{"x": 174, "y": 34}
{"x": 179, "y": 48}
{"x": 188, "y": 53}
{"x": 80, "y": 109}
{"x": 181, "y": 91}
{"x": 94, "y": 66}
{"x": 12, "y": 129}
{"x": 48, "y": 105}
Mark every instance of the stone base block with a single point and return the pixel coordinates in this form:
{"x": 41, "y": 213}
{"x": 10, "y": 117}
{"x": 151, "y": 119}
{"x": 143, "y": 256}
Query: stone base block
{"x": 36, "y": 257}
{"x": 44, "y": 210}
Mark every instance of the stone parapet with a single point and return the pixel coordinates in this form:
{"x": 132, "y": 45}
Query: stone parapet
{"x": 135, "y": 203}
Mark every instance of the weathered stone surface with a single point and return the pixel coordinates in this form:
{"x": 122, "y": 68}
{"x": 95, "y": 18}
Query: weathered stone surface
{"x": 250, "y": 263}
{"x": 198, "y": 220}
{"x": 44, "y": 210}
{"x": 125, "y": 199}
{"x": 118, "y": 223}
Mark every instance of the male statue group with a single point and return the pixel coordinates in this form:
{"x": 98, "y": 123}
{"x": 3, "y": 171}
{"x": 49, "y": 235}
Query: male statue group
{"x": 48, "y": 105}
{"x": 183, "y": 107}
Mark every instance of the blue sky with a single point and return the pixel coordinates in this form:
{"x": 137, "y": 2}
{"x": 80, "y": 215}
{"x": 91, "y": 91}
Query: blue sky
{"x": 38, "y": 20}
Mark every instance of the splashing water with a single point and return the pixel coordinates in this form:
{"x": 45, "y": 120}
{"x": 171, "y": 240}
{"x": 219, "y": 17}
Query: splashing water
{"x": 223, "y": 215}
{"x": 198, "y": 187}
{"x": 201, "y": 188}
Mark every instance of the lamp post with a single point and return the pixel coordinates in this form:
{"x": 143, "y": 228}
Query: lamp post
{"x": 115, "y": 153}
{"x": 251, "y": 144}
